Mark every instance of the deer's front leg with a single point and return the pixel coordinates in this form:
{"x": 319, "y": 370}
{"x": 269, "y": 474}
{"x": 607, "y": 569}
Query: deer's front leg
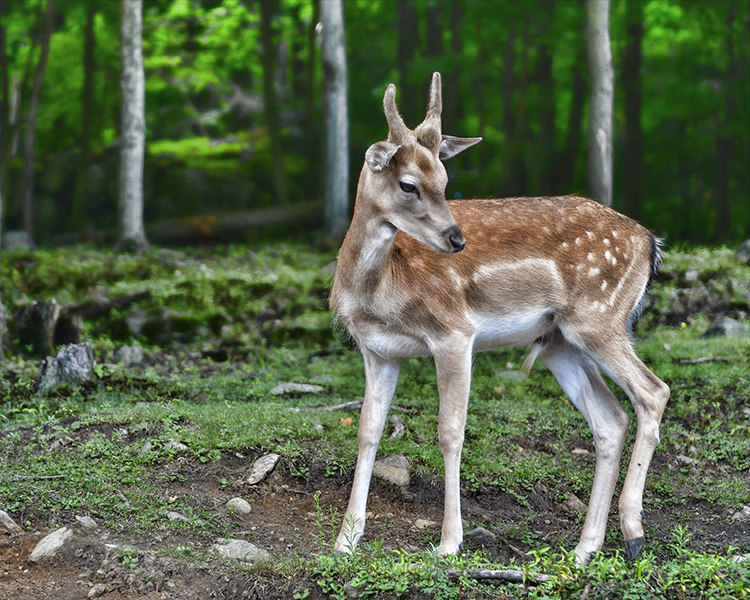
{"x": 453, "y": 364}
{"x": 381, "y": 376}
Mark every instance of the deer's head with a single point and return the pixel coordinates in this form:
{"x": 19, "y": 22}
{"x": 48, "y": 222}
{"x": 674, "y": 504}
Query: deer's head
{"x": 406, "y": 179}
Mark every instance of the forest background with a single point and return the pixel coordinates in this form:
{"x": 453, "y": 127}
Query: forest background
{"x": 225, "y": 77}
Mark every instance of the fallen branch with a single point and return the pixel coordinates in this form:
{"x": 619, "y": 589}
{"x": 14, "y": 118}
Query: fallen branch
{"x": 511, "y": 576}
{"x": 702, "y": 359}
{"x": 354, "y": 405}
{"x": 32, "y": 476}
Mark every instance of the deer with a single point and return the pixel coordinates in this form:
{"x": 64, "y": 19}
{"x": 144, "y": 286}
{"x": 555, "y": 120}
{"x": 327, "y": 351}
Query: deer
{"x": 419, "y": 275}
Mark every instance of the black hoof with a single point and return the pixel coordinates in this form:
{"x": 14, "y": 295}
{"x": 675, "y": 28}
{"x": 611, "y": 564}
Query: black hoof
{"x": 633, "y": 547}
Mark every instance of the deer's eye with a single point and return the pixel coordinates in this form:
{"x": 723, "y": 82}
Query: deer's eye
{"x": 409, "y": 188}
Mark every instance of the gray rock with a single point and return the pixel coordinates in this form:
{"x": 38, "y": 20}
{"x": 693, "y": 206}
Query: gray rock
{"x": 50, "y": 544}
{"x": 575, "y": 505}
{"x": 98, "y": 590}
{"x": 7, "y": 524}
{"x": 18, "y": 240}
{"x": 296, "y": 388}
{"x": 176, "y": 517}
{"x": 395, "y": 470}
{"x": 146, "y": 447}
{"x": 262, "y": 467}
{"x": 129, "y": 355}
{"x": 351, "y": 591}
{"x": 239, "y": 506}
{"x": 175, "y": 445}
{"x": 743, "y": 251}
{"x": 240, "y": 550}
{"x": 74, "y": 363}
{"x": 86, "y": 522}
{"x": 726, "y": 327}
{"x": 480, "y": 537}
{"x": 742, "y": 515}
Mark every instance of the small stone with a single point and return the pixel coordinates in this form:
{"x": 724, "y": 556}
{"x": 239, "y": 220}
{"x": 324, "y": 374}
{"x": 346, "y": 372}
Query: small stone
{"x": 686, "y": 460}
{"x": 7, "y": 524}
{"x": 176, "y": 517}
{"x": 743, "y": 252}
{"x": 176, "y": 446}
{"x": 424, "y": 523}
{"x": 262, "y": 467}
{"x": 742, "y": 514}
{"x": 50, "y": 544}
{"x": 86, "y": 522}
{"x": 98, "y": 590}
{"x": 351, "y": 591}
{"x": 239, "y": 506}
{"x": 580, "y": 451}
{"x": 146, "y": 447}
{"x": 512, "y": 375}
{"x": 129, "y": 355}
{"x": 727, "y": 327}
{"x": 296, "y": 388}
{"x": 480, "y": 537}
{"x": 575, "y": 505}
{"x": 240, "y": 550}
{"x": 395, "y": 470}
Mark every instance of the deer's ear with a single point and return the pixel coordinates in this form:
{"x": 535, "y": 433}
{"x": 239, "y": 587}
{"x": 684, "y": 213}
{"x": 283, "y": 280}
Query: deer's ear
{"x": 379, "y": 155}
{"x": 451, "y": 145}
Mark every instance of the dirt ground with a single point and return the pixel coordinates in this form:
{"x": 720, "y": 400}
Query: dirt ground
{"x": 285, "y": 521}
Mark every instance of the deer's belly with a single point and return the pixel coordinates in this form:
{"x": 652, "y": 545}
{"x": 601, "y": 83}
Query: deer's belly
{"x": 515, "y": 329}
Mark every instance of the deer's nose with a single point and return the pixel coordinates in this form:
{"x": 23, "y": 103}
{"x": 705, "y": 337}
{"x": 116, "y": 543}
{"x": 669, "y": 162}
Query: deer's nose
{"x": 456, "y": 239}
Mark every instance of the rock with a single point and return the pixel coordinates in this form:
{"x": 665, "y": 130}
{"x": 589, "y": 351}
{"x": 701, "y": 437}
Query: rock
{"x": 685, "y": 460}
{"x": 262, "y": 467}
{"x": 176, "y": 517}
{"x": 174, "y": 445}
{"x": 395, "y": 470}
{"x": 296, "y": 388}
{"x": 351, "y": 591}
{"x": 239, "y": 506}
{"x": 86, "y": 522}
{"x": 575, "y": 505}
{"x": 98, "y": 590}
{"x": 727, "y": 327}
{"x": 18, "y": 240}
{"x": 424, "y": 523}
{"x": 50, "y": 544}
{"x": 743, "y": 251}
{"x": 74, "y": 363}
{"x": 742, "y": 515}
{"x": 512, "y": 375}
{"x": 7, "y": 524}
{"x": 480, "y": 537}
{"x": 240, "y": 550}
{"x": 146, "y": 447}
{"x": 398, "y": 427}
{"x": 129, "y": 355}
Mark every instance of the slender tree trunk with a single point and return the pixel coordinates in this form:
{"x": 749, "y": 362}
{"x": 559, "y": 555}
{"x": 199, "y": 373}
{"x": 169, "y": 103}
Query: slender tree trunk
{"x": 27, "y": 182}
{"x": 133, "y": 136}
{"x": 270, "y": 100}
{"x": 336, "y": 118}
{"x": 723, "y": 228}
{"x": 567, "y": 160}
{"x": 4, "y": 106}
{"x": 408, "y": 41}
{"x": 451, "y": 105}
{"x": 602, "y": 97}
{"x": 632, "y": 181}
{"x": 312, "y": 145}
{"x": 543, "y": 76}
{"x": 87, "y": 115}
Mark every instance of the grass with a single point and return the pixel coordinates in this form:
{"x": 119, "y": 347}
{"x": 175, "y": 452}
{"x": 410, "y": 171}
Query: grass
{"x": 266, "y": 310}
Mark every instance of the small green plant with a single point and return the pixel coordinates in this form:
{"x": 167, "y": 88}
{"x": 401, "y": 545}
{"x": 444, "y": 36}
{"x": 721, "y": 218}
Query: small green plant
{"x": 129, "y": 558}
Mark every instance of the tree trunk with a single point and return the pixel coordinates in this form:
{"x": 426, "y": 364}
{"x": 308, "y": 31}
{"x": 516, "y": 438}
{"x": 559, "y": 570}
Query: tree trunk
{"x": 600, "y": 105}
{"x": 723, "y": 228}
{"x": 632, "y": 180}
{"x": 408, "y": 40}
{"x": 27, "y": 181}
{"x": 5, "y": 136}
{"x": 311, "y": 140}
{"x": 567, "y": 160}
{"x": 133, "y": 138}
{"x": 545, "y": 80}
{"x": 270, "y": 100}
{"x": 336, "y": 118}
{"x": 451, "y": 104}
{"x": 87, "y": 113}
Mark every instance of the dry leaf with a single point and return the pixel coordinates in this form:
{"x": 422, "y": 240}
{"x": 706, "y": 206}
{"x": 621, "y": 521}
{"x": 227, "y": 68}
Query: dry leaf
{"x": 346, "y": 421}
{"x": 499, "y": 389}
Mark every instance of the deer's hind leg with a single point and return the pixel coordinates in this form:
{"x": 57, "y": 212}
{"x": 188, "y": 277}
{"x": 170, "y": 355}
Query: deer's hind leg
{"x": 580, "y": 379}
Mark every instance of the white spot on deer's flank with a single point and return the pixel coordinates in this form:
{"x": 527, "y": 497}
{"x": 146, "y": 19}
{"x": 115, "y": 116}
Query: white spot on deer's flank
{"x": 593, "y": 271}
{"x": 578, "y": 240}
{"x": 608, "y": 255}
{"x": 614, "y": 233}
{"x": 565, "y": 244}
{"x": 578, "y": 268}
{"x": 590, "y": 256}
{"x": 589, "y": 234}
{"x": 614, "y": 261}
{"x": 606, "y": 242}
{"x": 604, "y": 285}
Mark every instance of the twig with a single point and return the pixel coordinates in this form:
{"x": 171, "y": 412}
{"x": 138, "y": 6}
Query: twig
{"x": 32, "y": 476}
{"x": 510, "y": 576}
{"x": 702, "y": 359}
{"x": 354, "y": 405}
{"x": 520, "y": 553}
{"x": 398, "y": 427}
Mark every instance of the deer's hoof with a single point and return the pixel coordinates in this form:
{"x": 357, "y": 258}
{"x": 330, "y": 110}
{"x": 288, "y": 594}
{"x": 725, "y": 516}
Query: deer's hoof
{"x": 633, "y": 547}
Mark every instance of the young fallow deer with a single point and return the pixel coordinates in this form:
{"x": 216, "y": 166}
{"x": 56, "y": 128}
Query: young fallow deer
{"x": 565, "y": 274}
